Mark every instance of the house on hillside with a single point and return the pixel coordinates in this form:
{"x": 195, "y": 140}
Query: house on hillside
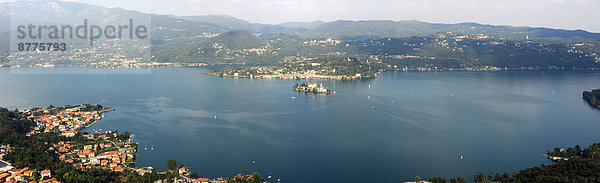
{"x": 45, "y": 173}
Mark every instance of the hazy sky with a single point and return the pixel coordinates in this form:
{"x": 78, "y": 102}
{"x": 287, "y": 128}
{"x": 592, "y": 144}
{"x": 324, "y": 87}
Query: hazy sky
{"x": 566, "y": 14}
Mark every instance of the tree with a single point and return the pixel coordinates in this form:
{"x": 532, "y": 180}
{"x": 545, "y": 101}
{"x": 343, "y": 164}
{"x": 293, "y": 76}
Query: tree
{"x": 491, "y": 175}
{"x": 171, "y": 164}
{"x": 194, "y": 175}
{"x": 257, "y": 178}
{"x": 479, "y": 177}
{"x": 557, "y": 151}
{"x": 437, "y": 180}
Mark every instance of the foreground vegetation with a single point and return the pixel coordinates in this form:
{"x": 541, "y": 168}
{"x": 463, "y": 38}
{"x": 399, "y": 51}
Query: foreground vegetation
{"x": 592, "y": 98}
{"x": 583, "y": 165}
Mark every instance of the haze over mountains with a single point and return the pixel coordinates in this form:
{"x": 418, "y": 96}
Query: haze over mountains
{"x": 72, "y": 13}
{"x": 342, "y": 29}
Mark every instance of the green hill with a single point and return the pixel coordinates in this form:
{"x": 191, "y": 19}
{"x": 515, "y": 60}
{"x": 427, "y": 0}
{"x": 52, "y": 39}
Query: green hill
{"x": 178, "y": 32}
{"x": 398, "y": 29}
{"x": 369, "y": 29}
{"x": 234, "y": 40}
{"x": 230, "y": 23}
{"x": 225, "y": 22}
{"x": 228, "y": 47}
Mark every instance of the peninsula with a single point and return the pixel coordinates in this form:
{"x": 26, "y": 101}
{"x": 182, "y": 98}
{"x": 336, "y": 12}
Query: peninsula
{"x": 45, "y": 145}
{"x": 332, "y": 68}
{"x": 592, "y": 98}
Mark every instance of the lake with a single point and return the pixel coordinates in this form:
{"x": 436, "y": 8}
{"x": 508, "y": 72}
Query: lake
{"x": 389, "y": 129}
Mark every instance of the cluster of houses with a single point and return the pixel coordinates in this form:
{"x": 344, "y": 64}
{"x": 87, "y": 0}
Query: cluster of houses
{"x": 9, "y": 174}
{"x": 328, "y": 41}
{"x": 103, "y": 153}
{"x": 65, "y": 121}
{"x": 207, "y": 180}
{"x": 104, "y": 150}
{"x": 185, "y": 172}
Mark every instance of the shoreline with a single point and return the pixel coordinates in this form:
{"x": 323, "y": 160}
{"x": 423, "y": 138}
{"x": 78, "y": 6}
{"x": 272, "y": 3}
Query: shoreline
{"x": 179, "y": 65}
{"x": 96, "y": 121}
{"x": 346, "y": 78}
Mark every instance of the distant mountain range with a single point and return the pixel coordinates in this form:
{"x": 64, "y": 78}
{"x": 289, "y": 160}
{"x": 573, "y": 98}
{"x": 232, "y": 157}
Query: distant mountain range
{"x": 383, "y": 28}
{"x": 174, "y": 27}
{"x": 223, "y": 39}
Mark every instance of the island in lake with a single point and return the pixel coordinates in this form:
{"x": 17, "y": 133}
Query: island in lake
{"x": 592, "y": 98}
{"x": 312, "y": 88}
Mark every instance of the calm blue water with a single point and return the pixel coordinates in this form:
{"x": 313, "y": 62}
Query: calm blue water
{"x": 405, "y": 124}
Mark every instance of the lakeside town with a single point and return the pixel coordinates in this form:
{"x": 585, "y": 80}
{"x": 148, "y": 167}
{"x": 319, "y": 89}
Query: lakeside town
{"x": 111, "y": 151}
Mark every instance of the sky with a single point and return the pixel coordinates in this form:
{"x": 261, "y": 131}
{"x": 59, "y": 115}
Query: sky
{"x": 563, "y": 14}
